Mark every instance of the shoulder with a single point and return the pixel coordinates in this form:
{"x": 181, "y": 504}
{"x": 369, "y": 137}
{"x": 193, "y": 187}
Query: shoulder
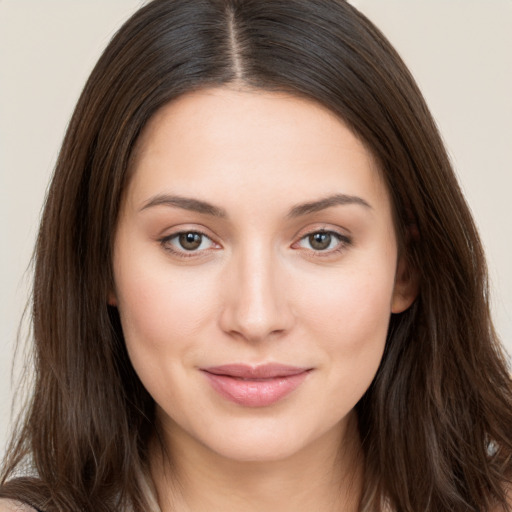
{"x": 14, "y": 506}
{"x": 508, "y": 493}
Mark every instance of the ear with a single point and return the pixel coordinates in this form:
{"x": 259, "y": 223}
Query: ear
{"x": 406, "y": 286}
{"x": 112, "y": 299}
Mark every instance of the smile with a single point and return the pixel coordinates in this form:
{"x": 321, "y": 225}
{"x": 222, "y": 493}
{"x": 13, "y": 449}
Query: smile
{"x": 259, "y": 386}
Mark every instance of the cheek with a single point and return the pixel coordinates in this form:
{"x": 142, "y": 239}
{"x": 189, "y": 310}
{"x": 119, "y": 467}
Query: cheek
{"x": 352, "y": 306}
{"x": 350, "y": 320}
{"x": 162, "y": 310}
{"x": 162, "y": 316}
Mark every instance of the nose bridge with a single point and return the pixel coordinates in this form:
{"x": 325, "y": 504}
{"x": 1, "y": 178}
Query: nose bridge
{"x": 256, "y": 303}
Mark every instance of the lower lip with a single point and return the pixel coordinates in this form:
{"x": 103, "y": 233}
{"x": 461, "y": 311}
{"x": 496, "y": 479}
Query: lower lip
{"x": 255, "y": 393}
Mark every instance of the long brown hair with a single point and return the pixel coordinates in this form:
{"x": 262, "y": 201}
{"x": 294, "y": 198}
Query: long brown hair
{"x": 436, "y": 422}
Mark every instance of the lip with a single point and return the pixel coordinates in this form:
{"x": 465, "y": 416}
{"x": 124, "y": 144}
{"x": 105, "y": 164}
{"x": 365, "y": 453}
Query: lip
{"x": 255, "y": 386}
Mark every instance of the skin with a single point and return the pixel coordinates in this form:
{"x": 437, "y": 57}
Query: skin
{"x": 256, "y": 291}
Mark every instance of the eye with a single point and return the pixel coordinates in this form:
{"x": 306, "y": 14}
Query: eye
{"x": 323, "y": 241}
{"x": 187, "y": 242}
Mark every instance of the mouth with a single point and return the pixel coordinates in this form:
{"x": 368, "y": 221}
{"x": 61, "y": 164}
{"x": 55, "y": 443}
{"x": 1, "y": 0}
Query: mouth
{"x": 255, "y": 386}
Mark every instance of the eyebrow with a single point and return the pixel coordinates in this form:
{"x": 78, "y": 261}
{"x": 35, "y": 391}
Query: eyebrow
{"x": 186, "y": 203}
{"x": 196, "y": 205}
{"x": 327, "y": 202}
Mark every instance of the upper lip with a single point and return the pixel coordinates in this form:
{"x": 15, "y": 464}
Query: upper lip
{"x": 263, "y": 371}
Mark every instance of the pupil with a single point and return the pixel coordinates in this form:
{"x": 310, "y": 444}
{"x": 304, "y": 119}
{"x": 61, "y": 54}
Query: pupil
{"x": 190, "y": 241}
{"x": 320, "y": 241}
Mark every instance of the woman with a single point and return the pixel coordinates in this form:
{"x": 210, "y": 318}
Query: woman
{"x": 257, "y": 283}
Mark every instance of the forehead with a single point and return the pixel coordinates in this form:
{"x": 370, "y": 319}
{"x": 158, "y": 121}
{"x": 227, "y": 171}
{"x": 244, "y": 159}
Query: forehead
{"x": 261, "y": 144}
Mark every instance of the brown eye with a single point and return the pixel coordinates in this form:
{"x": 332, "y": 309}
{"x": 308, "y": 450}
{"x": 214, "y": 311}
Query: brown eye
{"x": 323, "y": 242}
{"x": 190, "y": 241}
{"x": 320, "y": 241}
{"x": 187, "y": 243}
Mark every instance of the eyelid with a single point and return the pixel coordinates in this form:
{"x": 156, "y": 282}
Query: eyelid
{"x": 322, "y": 227}
{"x": 343, "y": 239}
{"x": 165, "y": 240}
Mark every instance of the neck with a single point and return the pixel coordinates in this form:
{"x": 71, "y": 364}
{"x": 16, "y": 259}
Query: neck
{"x": 326, "y": 476}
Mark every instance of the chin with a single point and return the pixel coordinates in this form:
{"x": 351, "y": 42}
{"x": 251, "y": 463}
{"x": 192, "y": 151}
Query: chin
{"x": 267, "y": 440}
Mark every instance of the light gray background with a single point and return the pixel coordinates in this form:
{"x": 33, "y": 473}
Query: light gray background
{"x": 459, "y": 51}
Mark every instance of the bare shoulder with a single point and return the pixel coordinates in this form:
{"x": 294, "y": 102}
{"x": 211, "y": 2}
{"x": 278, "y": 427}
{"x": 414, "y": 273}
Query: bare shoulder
{"x": 508, "y": 493}
{"x": 14, "y": 506}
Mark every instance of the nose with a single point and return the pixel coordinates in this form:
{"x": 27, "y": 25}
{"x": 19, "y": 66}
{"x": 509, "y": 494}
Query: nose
{"x": 255, "y": 303}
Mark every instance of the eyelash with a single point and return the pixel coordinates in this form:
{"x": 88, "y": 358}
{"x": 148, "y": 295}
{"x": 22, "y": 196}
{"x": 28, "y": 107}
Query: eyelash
{"x": 343, "y": 242}
{"x": 166, "y": 243}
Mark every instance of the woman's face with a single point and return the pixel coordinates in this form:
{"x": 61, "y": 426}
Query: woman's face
{"x": 255, "y": 268}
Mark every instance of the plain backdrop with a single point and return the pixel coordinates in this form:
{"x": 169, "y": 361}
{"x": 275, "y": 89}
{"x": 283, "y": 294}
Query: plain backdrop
{"x": 458, "y": 50}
